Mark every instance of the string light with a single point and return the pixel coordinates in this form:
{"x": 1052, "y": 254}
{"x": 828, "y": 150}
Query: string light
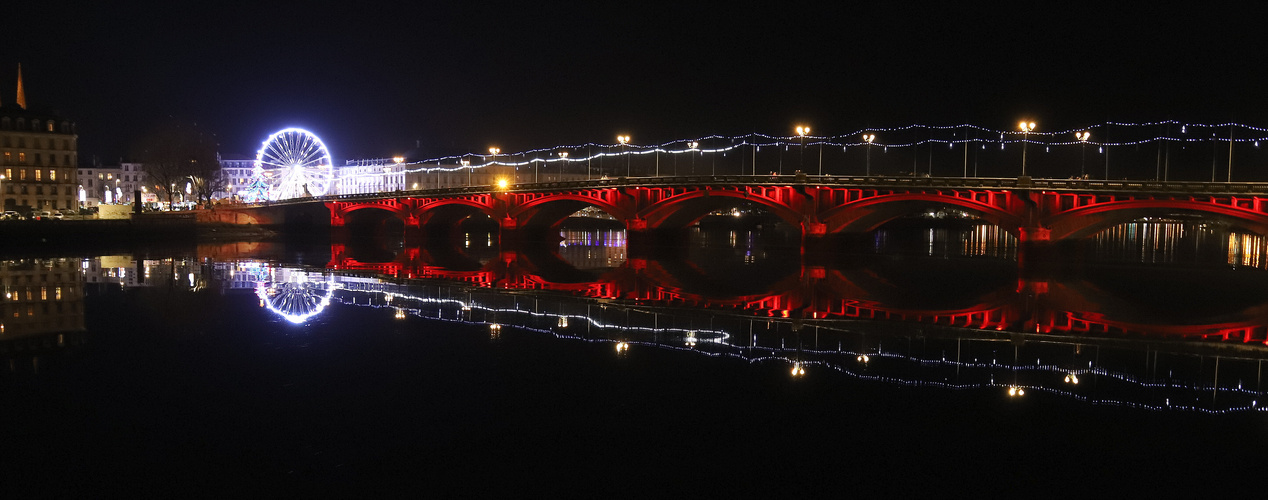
{"x": 1154, "y": 132}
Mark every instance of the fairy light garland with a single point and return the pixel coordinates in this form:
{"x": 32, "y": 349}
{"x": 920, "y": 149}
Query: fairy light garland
{"x": 983, "y": 137}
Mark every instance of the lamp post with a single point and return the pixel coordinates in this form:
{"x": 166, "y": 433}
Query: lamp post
{"x": 465, "y": 164}
{"x": 801, "y": 135}
{"x": 691, "y": 146}
{"x": 867, "y": 169}
{"x": 493, "y": 151}
{"x": 3, "y": 199}
{"x": 1026, "y": 129}
{"x": 625, "y": 139}
{"x": 1083, "y": 137}
{"x": 563, "y": 158}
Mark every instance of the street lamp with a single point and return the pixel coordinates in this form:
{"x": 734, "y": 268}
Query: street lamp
{"x": 801, "y": 135}
{"x": 563, "y": 158}
{"x": 625, "y": 139}
{"x": 691, "y": 146}
{"x": 3, "y": 200}
{"x": 1083, "y": 137}
{"x": 493, "y": 151}
{"x": 465, "y": 164}
{"x": 868, "y": 138}
{"x": 1026, "y": 129}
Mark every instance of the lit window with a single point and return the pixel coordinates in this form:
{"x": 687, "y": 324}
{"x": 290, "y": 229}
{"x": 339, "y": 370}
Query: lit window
{"x": 50, "y": 126}
{"x": 52, "y": 175}
{"x": 37, "y": 174}
{"x": 21, "y": 157}
{"x": 43, "y": 293}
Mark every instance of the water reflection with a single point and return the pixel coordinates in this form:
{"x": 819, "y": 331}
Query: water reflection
{"x": 590, "y": 250}
{"x": 1087, "y": 370}
{"x": 1162, "y": 240}
{"x": 957, "y": 314}
{"x": 43, "y": 301}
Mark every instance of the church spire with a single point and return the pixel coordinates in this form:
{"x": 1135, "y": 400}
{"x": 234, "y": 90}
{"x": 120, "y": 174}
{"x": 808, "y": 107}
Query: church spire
{"x": 21, "y": 93}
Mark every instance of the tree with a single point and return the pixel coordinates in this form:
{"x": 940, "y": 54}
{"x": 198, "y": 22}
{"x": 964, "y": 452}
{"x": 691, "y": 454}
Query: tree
{"x": 175, "y": 153}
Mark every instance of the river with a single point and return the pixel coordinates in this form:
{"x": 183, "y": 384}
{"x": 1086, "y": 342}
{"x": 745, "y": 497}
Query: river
{"x": 924, "y": 359}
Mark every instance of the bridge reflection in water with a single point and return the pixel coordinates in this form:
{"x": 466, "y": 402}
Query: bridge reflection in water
{"x": 940, "y": 315}
{"x": 1101, "y": 371}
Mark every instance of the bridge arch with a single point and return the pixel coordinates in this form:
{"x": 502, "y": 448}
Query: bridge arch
{"x": 682, "y": 209}
{"x": 868, "y": 214}
{"x": 449, "y": 211}
{"x": 1086, "y": 221}
{"x": 552, "y": 210}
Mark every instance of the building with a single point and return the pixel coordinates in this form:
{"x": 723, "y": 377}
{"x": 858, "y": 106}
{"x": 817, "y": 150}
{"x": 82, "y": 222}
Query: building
{"x": 236, "y": 170}
{"x": 99, "y": 184}
{"x": 377, "y": 175}
{"x": 112, "y": 185}
{"x": 40, "y": 153}
{"x": 133, "y": 180}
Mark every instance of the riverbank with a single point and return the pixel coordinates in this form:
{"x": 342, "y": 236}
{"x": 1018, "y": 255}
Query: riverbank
{"x": 63, "y": 237}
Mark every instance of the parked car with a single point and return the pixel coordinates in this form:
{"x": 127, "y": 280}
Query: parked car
{"x": 44, "y": 215}
{"x": 11, "y": 215}
{"x": 57, "y": 215}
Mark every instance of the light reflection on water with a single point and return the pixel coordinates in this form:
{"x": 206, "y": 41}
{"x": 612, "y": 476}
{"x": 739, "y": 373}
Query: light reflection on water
{"x": 1176, "y": 241}
{"x": 810, "y": 326}
{"x": 602, "y": 249}
{"x": 1179, "y": 377}
{"x": 1087, "y": 372}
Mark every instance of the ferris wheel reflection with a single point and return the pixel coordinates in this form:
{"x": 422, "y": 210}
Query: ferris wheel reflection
{"x": 295, "y": 296}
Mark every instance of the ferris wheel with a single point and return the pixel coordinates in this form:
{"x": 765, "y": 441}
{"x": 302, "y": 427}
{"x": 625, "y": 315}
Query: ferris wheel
{"x": 296, "y": 163}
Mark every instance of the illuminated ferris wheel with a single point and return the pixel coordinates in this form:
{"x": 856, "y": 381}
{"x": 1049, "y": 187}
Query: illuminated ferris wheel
{"x": 296, "y": 163}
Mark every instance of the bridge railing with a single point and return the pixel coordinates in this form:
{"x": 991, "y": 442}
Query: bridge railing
{"x": 878, "y": 182}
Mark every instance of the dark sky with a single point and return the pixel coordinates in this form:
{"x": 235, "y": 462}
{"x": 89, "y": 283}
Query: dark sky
{"x": 371, "y": 79}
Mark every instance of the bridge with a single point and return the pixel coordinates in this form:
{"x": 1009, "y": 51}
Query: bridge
{"x": 1033, "y": 210}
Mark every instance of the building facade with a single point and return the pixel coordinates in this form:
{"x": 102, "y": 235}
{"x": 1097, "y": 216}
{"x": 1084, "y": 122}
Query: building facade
{"x": 236, "y": 170}
{"x": 40, "y": 152}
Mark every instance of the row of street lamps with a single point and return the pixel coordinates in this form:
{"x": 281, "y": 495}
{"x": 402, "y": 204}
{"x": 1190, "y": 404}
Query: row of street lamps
{"x": 1026, "y": 127}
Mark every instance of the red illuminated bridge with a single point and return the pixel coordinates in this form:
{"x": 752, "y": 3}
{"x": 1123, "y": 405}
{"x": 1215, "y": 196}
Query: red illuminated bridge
{"x": 1033, "y": 210}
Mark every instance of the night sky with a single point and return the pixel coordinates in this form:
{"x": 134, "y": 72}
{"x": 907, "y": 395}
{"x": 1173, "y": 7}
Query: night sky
{"x": 374, "y": 80}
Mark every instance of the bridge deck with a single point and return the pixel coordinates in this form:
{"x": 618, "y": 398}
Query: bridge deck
{"x": 903, "y": 182}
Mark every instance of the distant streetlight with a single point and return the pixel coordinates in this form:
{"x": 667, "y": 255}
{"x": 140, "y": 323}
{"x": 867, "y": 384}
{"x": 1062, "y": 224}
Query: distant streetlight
{"x": 563, "y": 158}
{"x": 1026, "y": 129}
{"x": 1083, "y": 137}
{"x": 465, "y": 164}
{"x": 625, "y": 139}
{"x": 868, "y": 138}
{"x": 801, "y": 134}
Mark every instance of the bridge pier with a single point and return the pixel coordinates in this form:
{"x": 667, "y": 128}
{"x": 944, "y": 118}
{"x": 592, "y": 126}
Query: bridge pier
{"x": 1033, "y": 245}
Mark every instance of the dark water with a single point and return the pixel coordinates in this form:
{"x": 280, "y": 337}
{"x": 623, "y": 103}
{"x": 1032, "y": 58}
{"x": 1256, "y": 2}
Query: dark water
{"x": 925, "y": 363}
